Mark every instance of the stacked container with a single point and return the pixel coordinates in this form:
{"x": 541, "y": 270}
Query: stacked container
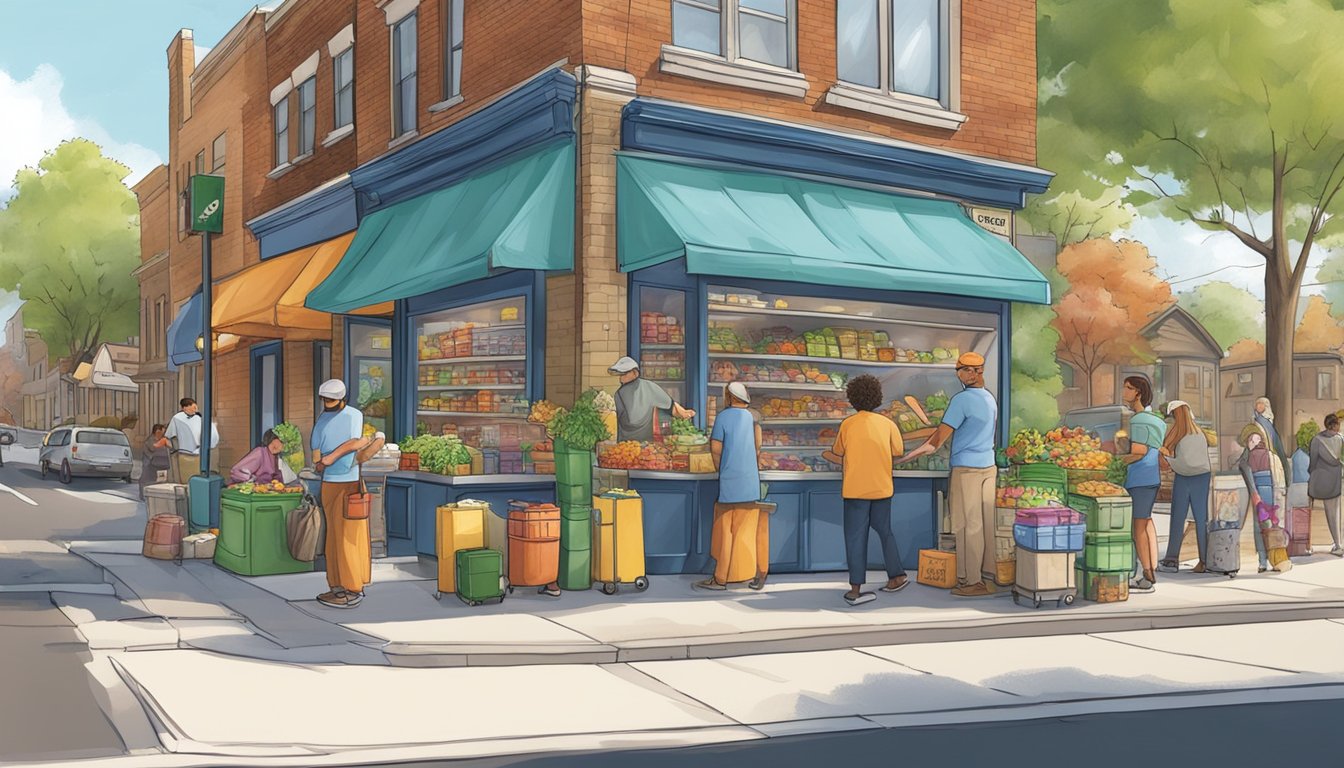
{"x": 1048, "y": 539}
{"x": 1108, "y": 552}
{"x": 574, "y": 492}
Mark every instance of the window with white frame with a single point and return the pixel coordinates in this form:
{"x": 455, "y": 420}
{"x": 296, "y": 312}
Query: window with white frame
{"x": 281, "y": 131}
{"x": 760, "y": 31}
{"x": 345, "y": 87}
{"x": 897, "y": 46}
{"x": 404, "y": 69}
{"x": 452, "y": 48}
{"x": 307, "y": 115}
{"x": 200, "y": 162}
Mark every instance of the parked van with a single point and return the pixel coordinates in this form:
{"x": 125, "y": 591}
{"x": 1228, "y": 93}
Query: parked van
{"x": 85, "y": 452}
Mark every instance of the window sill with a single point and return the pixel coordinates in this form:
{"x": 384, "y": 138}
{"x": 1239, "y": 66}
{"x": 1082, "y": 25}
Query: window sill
{"x": 911, "y": 110}
{"x": 301, "y": 159}
{"x": 280, "y": 170}
{"x": 447, "y": 104}
{"x": 716, "y": 69}
{"x": 404, "y": 138}
{"x": 338, "y": 134}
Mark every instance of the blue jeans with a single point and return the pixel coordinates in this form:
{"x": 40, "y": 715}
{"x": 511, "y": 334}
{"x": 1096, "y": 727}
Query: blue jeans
{"x": 1264, "y": 485}
{"x": 1189, "y": 493}
{"x": 860, "y": 515}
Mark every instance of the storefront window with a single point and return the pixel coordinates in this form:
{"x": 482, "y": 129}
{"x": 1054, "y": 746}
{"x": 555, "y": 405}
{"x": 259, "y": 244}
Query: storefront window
{"x": 370, "y": 369}
{"x": 662, "y": 340}
{"x": 795, "y": 354}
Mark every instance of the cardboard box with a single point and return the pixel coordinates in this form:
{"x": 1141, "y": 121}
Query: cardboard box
{"x": 1042, "y": 571}
{"x": 937, "y": 569}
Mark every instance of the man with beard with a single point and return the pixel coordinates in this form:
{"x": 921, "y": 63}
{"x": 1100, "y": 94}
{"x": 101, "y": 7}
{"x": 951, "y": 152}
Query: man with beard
{"x": 337, "y": 435}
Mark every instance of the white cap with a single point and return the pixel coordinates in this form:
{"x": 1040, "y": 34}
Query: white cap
{"x": 332, "y": 389}
{"x": 624, "y": 365}
{"x": 739, "y": 390}
{"x": 1173, "y": 405}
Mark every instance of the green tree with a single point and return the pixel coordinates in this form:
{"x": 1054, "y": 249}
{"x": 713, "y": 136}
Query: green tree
{"x": 1035, "y": 381}
{"x": 69, "y": 240}
{"x": 1219, "y": 113}
{"x": 1331, "y": 277}
{"x": 1073, "y": 217}
{"x": 1227, "y": 312}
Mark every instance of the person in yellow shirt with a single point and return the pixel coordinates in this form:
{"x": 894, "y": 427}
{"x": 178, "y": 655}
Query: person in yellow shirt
{"x": 865, "y": 447}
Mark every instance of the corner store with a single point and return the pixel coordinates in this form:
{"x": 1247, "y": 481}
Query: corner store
{"x": 857, "y": 211}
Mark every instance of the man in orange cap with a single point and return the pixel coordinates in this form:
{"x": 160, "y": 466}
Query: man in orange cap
{"x": 971, "y": 420}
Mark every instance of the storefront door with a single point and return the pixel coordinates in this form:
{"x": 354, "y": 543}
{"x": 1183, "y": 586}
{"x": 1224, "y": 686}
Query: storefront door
{"x": 267, "y": 384}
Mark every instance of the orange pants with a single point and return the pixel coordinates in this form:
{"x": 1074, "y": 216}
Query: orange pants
{"x": 739, "y": 542}
{"x": 349, "y": 557}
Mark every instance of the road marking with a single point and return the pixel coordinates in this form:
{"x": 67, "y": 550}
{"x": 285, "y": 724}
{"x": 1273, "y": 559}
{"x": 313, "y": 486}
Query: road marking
{"x": 101, "y": 497}
{"x": 20, "y": 496}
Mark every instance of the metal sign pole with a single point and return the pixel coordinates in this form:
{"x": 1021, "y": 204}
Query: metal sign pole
{"x": 207, "y": 352}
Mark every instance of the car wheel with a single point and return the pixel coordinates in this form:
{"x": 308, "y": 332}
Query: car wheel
{"x": 6, "y": 438}
{"x": 43, "y": 467}
{"x": 65, "y": 476}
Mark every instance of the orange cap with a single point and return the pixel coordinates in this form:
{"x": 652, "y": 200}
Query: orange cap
{"x": 970, "y": 358}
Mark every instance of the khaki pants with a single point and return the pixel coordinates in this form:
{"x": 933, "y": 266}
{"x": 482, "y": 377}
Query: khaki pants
{"x": 971, "y": 498}
{"x": 739, "y": 542}
{"x": 184, "y": 466}
{"x": 349, "y": 560}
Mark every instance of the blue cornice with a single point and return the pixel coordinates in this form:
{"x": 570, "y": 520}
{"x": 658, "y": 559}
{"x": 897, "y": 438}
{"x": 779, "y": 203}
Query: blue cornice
{"x": 654, "y": 126}
{"x": 312, "y": 218}
{"x": 537, "y": 112}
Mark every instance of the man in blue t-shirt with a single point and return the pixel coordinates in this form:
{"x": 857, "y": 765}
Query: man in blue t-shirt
{"x": 337, "y": 435}
{"x": 736, "y": 444}
{"x": 970, "y": 420}
{"x": 1147, "y": 430}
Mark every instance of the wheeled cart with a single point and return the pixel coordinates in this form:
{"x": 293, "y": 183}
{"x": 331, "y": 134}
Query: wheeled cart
{"x": 1061, "y": 597}
{"x": 618, "y": 541}
{"x": 1045, "y": 576}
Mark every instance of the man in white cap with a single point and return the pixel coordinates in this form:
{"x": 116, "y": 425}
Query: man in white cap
{"x": 737, "y": 533}
{"x": 638, "y": 402}
{"x": 337, "y": 435}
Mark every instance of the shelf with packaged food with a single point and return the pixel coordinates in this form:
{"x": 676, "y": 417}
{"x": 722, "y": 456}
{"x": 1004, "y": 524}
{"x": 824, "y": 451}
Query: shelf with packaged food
{"x": 473, "y": 359}
{"x": 473, "y": 414}
{"x": 664, "y": 347}
{"x": 786, "y": 386}
{"x": 749, "y": 356}
{"x": 471, "y": 387}
{"x": 731, "y": 309}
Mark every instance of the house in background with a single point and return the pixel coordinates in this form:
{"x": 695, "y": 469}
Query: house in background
{"x": 108, "y": 396}
{"x": 1316, "y": 392}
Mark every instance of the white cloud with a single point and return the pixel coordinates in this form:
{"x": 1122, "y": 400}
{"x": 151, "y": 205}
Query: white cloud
{"x": 9, "y": 304}
{"x": 36, "y": 121}
{"x": 201, "y": 52}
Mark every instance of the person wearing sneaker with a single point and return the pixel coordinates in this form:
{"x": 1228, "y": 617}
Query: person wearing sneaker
{"x": 1146, "y": 432}
{"x": 1186, "y": 449}
{"x": 971, "y": 419}
{"x": 866, "y": 447}
{"x": 337, "y": 435}
{"x": 1262, "y": 471}
{"x": 1323, "y": 480}
{"x": 735, "y": 444}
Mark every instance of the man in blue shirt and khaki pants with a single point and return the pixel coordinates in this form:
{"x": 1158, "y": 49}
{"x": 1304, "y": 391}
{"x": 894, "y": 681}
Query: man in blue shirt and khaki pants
{"x": 970, "y": 420}
{"x": 337, "y": 435}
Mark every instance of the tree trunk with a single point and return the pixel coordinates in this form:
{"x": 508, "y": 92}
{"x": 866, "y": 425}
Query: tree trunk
{"x": 1280, "y": 323}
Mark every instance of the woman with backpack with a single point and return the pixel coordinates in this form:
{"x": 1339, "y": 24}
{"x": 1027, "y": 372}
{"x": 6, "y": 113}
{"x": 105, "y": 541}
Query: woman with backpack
{"x": 1186, "y": 449}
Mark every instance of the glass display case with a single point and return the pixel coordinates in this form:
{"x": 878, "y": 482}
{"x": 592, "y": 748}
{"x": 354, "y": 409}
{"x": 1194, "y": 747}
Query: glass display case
{"x": 796, "y": 353}
{"x": 371, "y": 372}
{"x": 662, "y": 340}
{"x": 472, "y": 363}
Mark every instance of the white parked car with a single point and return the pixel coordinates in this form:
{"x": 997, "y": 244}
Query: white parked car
{"x": 86, "y": 452}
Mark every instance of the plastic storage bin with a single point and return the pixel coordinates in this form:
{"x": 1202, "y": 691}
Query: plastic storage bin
{"x": 1049, "y": 538}
{"x": 1039, "y": 516}
{"x": 1108, "y": 551}
{"x": 1105, "y": 514}
{"x": 253, "y": 538}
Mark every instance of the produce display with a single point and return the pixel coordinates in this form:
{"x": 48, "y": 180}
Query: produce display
{"x": 292, "y": 440}
{"x": 542, "y": 412}
{"x": 911, "y": 415}
{"x": 1087, "y": 460}
{"x": 1029, "y": 446}
{"x": 1026, "y": 497}
{"x": 437, "y": 452}
{"x": 470, "y": 375}
{"x": 826, "y": 342}
{"x": 633, "y": 454}
{"x": 663, "y": 366}
{"x": 1097, "y": 488}
{"x": 658, "y": 328}
{"x": 273, "y": 487}
{"x": 484, "y": 401}
{"x": 724, "y": 371}
{"x": 581, "y": 427}
{"x": 805, "y": 407}
{"x": 799, "y": 436}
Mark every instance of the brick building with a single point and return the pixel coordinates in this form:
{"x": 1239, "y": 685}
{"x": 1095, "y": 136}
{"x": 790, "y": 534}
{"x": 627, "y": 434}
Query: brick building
{"x": 419, "y": 170}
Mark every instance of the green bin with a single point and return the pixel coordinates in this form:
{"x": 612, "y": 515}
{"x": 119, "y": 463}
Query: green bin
{"x": 576, "y": 535}
{"x": 582, "y": 511}
{"x": 1106, "y": 514}
{"x": 573, "y": 467}
{"x": 1108, "y": 551}
{"x": 574, "y": 494}
{"x": 478, "y": 576}
{"x": 253, "y": 535}
{"x": 576, "y": 569}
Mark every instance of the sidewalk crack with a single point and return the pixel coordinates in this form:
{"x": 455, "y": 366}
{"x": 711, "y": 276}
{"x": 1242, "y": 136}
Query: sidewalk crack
{"x": 1196, "y": 656}
{"x": 628, "y": 673}
{"x": 931, "y": 674}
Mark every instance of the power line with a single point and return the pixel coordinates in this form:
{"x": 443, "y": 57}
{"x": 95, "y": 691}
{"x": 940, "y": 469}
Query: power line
{"x": 1216, "y": 271}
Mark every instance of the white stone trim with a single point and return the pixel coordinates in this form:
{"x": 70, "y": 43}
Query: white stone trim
{"x": 343, "y": 41}
{"x": 611, "y": 82}
{"x": 281, "y": 91}
{"x": 404, "y": 138}
{"x": 338, "y": 134}
{"x": 280, "y": 170}
{"x": 740, "y": 73}
{"x": 446, "y": 104}
{"x": 396, "y": 10}
{"x": 911, "y": 109}
{"x": 305, "y": 70}
{"x": 301, "y": 159}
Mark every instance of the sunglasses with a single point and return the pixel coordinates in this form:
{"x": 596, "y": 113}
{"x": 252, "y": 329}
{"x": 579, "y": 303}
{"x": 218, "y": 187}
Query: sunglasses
{"x": 976, "y": 368}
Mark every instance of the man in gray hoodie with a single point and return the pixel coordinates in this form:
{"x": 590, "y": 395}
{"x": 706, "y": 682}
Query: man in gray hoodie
{"x": 1324, "y": 471}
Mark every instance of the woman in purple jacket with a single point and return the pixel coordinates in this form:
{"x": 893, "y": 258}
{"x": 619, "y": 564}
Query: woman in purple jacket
{"x": 262, "y": 464}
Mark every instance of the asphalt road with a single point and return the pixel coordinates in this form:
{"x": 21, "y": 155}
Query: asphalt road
{"x": 1249, "y": 735}
{"x": 32, "y": 507}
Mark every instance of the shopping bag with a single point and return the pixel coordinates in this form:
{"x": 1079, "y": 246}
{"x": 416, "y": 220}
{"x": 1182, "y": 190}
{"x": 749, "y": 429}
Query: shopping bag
{"x": 287, "y": 475}
{"x": 303, "y": 529}
{"x": 357, "y": 505}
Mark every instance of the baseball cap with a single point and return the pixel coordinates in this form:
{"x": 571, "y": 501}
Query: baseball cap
{"x": 1173, "y": 405}
{"x": 970, "y": 359}
{"x": 739, "y": 390}
{"x": 624, "y": 365}
{"x": 332, "y": 389}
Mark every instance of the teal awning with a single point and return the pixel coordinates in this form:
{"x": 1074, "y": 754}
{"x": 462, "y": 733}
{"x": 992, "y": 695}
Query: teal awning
{"x": 517, "y": 216}
{"x": 760, "y": 225}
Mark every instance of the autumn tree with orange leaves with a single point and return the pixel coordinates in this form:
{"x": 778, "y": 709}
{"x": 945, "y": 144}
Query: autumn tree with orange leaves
{"x": 1114, "y": 292}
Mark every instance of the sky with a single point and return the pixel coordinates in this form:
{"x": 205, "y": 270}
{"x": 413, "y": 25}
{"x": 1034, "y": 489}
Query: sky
{"x": 97, "y": 69}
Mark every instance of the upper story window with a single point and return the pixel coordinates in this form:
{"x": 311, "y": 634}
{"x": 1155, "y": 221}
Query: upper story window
{"x": 281, "y": 131}
{"x": 452, "y": 48}
{"x": 404, "y": 70}
{"x": 217, "y": 151}
{"x": 344, "y": 65}
{"x": 893, "y": 45}
{"x": 307, "y": 115}
{"x": 761, "y": 31}
{"x": 200, "y": 162}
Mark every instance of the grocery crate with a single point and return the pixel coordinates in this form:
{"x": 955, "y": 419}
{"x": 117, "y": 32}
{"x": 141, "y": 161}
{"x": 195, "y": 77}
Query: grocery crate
{"x": 1049, "y": 538}
{"x": 1104, "y": 514}
{"x": 1038, "y": 516}
{"x": 1079, "y": 476}
{"x": 1108, "y": 551}
{"x": 1103, "y": 586}
{"x": 1043, "y": 475}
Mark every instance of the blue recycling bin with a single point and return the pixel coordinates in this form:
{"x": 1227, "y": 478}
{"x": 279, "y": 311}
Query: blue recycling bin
{"x": 204, "y": 494}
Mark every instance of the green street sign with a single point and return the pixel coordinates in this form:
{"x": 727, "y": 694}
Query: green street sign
{"x": 207, "y": 203}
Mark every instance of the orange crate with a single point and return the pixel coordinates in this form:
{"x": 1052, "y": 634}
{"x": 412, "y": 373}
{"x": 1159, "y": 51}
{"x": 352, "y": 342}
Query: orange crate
{"x": 937, "y": 569}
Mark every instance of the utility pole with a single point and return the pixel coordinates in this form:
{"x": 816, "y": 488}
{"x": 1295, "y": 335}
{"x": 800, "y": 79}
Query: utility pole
{"x": 207, "y": 218}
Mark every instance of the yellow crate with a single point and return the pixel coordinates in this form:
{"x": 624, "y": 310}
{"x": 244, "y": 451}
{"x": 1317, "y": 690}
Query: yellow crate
{"x": 618, "y": 539}
{"x": 457, "y": 526}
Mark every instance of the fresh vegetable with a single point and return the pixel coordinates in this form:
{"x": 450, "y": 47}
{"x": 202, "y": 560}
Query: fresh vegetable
{"x": 604, "y": 402}
{"x": 1097, "y": 488}
{"x": 542, "y": 412}
{"x": 685, "y": 427}
{"x": 437, "y": 453}
{"x": 292, "y": 440}
{"x": 916, "y": 408}
{"x": 1118, "y": 471}
{"x": 581, "y": 427}
{"x": 938, "y": 401}
{"x": 242, "y": 487}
